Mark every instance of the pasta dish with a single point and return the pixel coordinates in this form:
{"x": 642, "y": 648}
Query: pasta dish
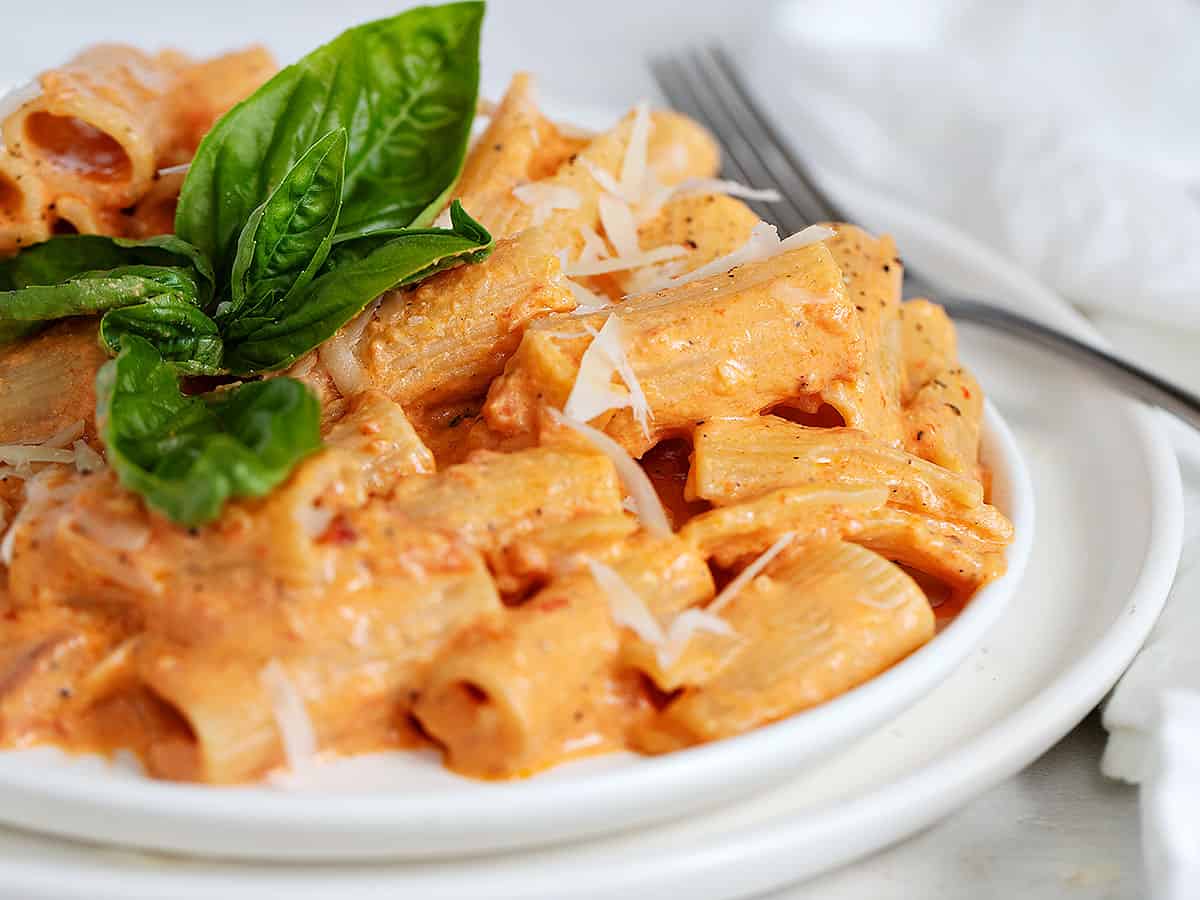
{"x": 343, "y": 411}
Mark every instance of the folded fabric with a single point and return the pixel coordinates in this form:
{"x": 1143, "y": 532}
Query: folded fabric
{"x": 1066, "y": 135}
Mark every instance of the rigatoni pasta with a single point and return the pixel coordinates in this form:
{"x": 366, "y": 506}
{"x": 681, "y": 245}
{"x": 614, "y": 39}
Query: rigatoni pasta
{"x": 87, "y": 144}
{"x": 631, "y": 471}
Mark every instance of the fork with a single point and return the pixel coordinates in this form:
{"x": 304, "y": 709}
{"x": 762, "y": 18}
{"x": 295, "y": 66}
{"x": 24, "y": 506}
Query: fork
{"x": 706, "y": 84}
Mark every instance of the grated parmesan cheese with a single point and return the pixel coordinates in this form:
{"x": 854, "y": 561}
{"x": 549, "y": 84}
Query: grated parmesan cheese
{"x": 762, "y": 244}
{"x": 291, "y": 717}
{"x": 633, "y": 166}
{"x": 621, "y": 263}
{"x": 635, "y": 481}
{"x": 683, "y": 628}
{"x": 587, "y": 301}
{"x": 593, "y": 392}
{"x": 653, "y": 202}
{"x": 593, "y": 245}
{"x": 86, "y": 459}
{"x": 626, "y": 607}
{"x": 749, "y": 573}
{"x": 544, "y": 198}
{"x": 617, "y": 219}
{"x": 180, "y": 169}
{"x": 629, "y": 610}
{"x": 52, "y": 450}
{"x": 339, "y": 357}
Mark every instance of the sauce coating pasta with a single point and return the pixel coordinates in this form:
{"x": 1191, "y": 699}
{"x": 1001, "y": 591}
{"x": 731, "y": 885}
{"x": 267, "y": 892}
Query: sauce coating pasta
{"x": 475, "y": 558}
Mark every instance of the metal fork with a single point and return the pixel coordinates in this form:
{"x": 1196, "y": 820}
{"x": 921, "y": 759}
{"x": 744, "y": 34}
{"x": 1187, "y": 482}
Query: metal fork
{"x": 705, "y": 84}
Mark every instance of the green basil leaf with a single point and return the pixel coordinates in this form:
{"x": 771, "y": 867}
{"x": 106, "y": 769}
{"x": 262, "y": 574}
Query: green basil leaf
{"x": 187, "y": 455}
{"x": 93, "y": 292}
{"x": 302, "y": 321}
{"x": 62, "y": 258}
{"x": 353, "y": 250}
{"x": 181, "y": 333}
{"x": 405, "y": 90}
{"x": 287, "y": 238}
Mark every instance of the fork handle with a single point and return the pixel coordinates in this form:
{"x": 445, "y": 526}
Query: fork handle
{"x": 1128, "y": 377}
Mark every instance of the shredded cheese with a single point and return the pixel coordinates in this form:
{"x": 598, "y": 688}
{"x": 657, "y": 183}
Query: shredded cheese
{"x": 617, "y": 219}
{"x": 633, "y": 166}
{"x": 749, "y": 573}
{"x": 621, "y": 263}
{"x": 544, "y": 198}
{"x": 291, "y": 718}
{"x": 175, "y": 170}
{"x": 593, "y": 245}
{"x": 593, "y": 392}
{"x": 653, "y": 202}
{"x": 606, "y": 181}
{"x": 630, "y": 611}
{"x": 635, "y": 481}
{"x": 683, "y": 628}
{"x": 8, "y": 544}
{"x": 86, "y": 459}
{"x": 627, "y": 608}
{"x": 55, "y": 449}
{"x": 339, "y": 357}
{"x": 762, "y": 244}
{"x": 587, "y": 301}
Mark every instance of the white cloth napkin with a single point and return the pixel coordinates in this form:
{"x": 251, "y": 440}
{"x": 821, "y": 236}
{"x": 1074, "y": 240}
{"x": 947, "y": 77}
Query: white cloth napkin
{"x": 1067, "y": 136}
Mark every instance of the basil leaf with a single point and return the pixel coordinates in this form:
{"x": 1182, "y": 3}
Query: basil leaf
{"x": 405, "y": 90}
{"x": 187, "y": 455}
{"x": 353, "y": 250}
{"x": 287, "y": 238}
{"x": 302, "y": 321}
{"x": 89, "y": 293}
{"x": 62, "y": 258}
{"x": 181, "y": 333}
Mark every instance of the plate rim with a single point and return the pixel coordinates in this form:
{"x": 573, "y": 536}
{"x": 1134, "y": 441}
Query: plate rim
{"x": 487, "y": 807}
{"x": 993, "y": 755}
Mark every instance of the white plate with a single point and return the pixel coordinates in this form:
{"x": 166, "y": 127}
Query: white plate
{"x": 404, "y": 805}
{"x": 1109, "y": 529}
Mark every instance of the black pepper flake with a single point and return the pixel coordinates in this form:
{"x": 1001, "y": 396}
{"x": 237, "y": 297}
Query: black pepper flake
{"x": 860, "y": 307}
{"x": 571, "y": 159}
{"x": 64, "y": 692}
{"x": 691, "y": 244}
{"x": 957, "y": 411}
{"x": 920, "y": 434}
{"x": 886, "y": 267}
{"x": 497, "y": 147}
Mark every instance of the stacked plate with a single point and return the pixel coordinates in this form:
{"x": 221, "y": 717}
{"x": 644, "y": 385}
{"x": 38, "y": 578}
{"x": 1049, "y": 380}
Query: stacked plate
{"x": 1026, "y": 661}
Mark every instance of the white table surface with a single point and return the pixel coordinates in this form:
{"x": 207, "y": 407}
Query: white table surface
{"x": 1057, "y": 830}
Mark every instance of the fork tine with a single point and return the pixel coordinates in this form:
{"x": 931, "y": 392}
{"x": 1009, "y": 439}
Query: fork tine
{"x": 730, "y": 127}
{"x": 800, "y": 187}
{"x": 676, "y": 85}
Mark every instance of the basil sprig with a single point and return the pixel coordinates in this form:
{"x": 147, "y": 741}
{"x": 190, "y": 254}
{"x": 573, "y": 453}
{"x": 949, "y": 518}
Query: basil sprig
{"x": 187, "y": 455}
{"x": 275, "y": 335}
{"x": 405, "y": 90}
{"x": 303, "y": 203}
